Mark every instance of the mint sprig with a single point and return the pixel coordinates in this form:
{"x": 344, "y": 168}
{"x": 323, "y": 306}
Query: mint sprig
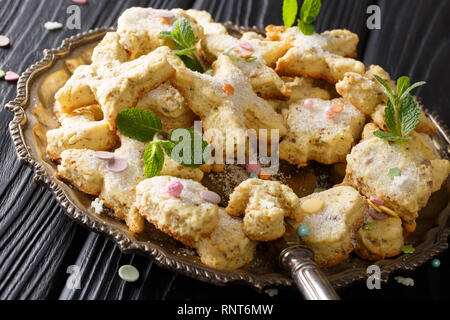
{"x": 144, "y": 126}
{"x": 402, "y": 113}
{"x": 184, "y": 39}
{"x": 308, "y": 13}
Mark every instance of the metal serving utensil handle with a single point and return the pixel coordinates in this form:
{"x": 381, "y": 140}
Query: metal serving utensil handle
{"x": 308, "y": 277}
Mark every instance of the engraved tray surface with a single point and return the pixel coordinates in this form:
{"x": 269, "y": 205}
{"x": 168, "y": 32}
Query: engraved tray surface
{"x": 429, "y": 239}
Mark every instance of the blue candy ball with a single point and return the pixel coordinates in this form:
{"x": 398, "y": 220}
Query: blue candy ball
{"x": 302, "y": 231}
{"x": 254, "y": 175}
{"x": 436, "y": 263}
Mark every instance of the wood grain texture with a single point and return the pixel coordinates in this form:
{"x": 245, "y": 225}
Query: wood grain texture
{"x": 38, "y": 242}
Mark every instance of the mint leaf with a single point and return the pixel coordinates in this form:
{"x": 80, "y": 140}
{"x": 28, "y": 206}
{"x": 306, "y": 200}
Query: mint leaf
{"x": 138, "y": 124}
{"x": 306, "y": 29}
{"x": 154, "y": 160}
{"x": 394, "y": 172}
{"x": 189, "y": 148}
{"x": 183, "y": 52}
{"x": 290, "y": 8}
{"x": 390, "y": 136}
{"x": 166, "y": 34}
{"x": 310, "y": 10}
{"x": 409, "y": 115}
{"x": 389, "y": 116}
{"x": 415, "y": 85}
{"x": 184, "y": 32}
{"x": 388, "y": 89}
{"x": 403, "y": 83}
{"x": 192, "y": 63}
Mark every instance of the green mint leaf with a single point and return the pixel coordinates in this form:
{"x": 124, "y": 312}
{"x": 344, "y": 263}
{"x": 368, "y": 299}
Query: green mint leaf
{"x": 403, "y": 83}
{"x": 290, "y": 8}
{"x": 192, "y": 63}
{"x": 190, "y": 149}
{"x": 369, "y": 226}
{"x": 408, "y": 249}
{"x": 389, "y": 116}
{"x": 184, "y": 52}
{"x": 138, "y": 124}
{"x": 251, "y": 59}
{"x": 306, "y": 29}
{"x": 310, "y": 10}
{"x": 409, "y": 115}
{"x": 388, "y": 89}
{"x": 166, "y": 34}
{"x": 390, "y": 136}
{"x": 154, "y": 160}
{"x": 394, "y": 172}
{"x": 184, "y": 33}
{"x": 407, "y": 91}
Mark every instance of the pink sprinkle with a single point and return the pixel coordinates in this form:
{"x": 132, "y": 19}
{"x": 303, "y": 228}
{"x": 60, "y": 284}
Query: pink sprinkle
{"x": 246, "y": 46}
{"x": 104, "y": 155}
{"x": 117, "y": 165}
{"x": 174, "y": 188}
{"x": 11, "y": 76}
{"x": 4, "y": 41}
{"x": 210, "y": 196}
{"x": 376, "y": 201}
{"x": 253, "y": 168}
{"x": 308, "y": 104}
{"x": 377, "y": 215}
{"x": 79, "y": 1}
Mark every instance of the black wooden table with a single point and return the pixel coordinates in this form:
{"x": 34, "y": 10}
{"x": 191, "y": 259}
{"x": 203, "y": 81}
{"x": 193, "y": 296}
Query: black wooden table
{"x": 38, "y": 241}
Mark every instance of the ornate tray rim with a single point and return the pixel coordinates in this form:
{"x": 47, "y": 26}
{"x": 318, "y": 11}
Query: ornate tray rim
{"x": 438, "y": 234}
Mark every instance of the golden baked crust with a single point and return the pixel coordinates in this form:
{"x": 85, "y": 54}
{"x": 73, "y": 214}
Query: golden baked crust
{"x": 186, "y": 218}
{"x": 313, "y": 136}
{"x": 227, "y": 247}
{"x": 264, "y": 205}
{"x": 332, "y": 228}
{"x": 385, "y": 240}
{"x": 422, "y": 172}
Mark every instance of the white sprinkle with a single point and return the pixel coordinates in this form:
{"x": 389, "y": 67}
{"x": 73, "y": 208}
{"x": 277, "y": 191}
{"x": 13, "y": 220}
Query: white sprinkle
{"x": 266, "y": 204}
{"x": 97, "y": 204}
{"x": 53, "y": 25}
{"x": 409, "y": 282}
{"x": 271, "y": 292}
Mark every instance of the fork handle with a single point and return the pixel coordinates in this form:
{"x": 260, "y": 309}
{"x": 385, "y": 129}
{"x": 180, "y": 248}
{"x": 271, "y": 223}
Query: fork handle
{"x": 307, "y": 275}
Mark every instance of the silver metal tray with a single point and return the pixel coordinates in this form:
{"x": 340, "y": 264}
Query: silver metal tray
{"x": 430, "y": 238}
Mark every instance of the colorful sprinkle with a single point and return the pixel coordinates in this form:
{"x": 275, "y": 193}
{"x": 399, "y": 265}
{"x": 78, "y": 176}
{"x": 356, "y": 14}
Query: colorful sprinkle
{"x": 235, "y": 49}
{"x": 408, "y": 249}
{"x": 337, "y": 108}
{"x": 11, "y": 76}
{"x": 104, "y": 155}
{"x": 163, "y": 20}
{"x": 117, "y": 165}
{"x": 265, "y": 175}
{"x": 436, "y": 263}
{"x": 4, "y": 41}
{"x": 377, "y": 215}
{"x": 302, "y": 231}
{"x": 254, "y": 175}
{"x": 394, "y": 172}
{"x": 376, "y": 201}
{"x": 228, "y": 88}
{"x": 246, "y": 55}
{"x": 53, "y": 25}
{"x": 174, "y": 188}
{"x": 329, "y": 112}
{"x": 246, "y": 46}
{"x": 308, "y": 104}
{"x": 253, "y": 168}
{"x": 210, "y": 196}
{"x": 128, "y": 273}
{"x": 312, "y": 205}
{"x": 368, "y": 226}
{"x": 389, "y": 211}
{"x": 2, "y": 74}
{"x": 80, "y": 1}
